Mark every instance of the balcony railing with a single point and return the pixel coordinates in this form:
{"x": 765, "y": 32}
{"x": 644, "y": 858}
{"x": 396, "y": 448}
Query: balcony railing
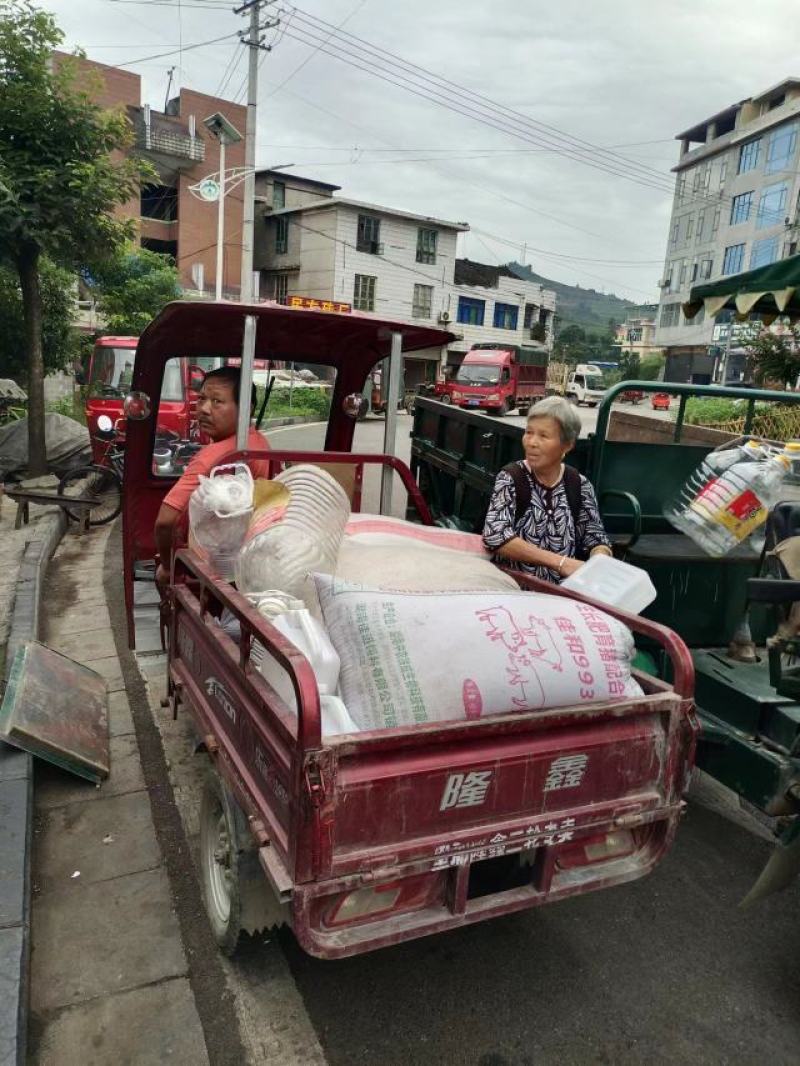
{"x": 168, "y": 141}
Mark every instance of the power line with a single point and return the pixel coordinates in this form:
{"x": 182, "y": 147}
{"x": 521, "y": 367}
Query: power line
{"x": 316, "y": 49}
{"x": 174, "y": 51}
{"x": 366, "y": 50}
{"x": 460, "y": 107}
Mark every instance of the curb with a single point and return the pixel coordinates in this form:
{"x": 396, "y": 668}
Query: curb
{"x": 293, "y": 420}
{"x": 16, "y": 808}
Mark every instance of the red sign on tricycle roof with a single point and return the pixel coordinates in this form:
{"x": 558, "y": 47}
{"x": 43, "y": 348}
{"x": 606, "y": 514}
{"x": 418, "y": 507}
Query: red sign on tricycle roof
{"x": 319, "y": 305}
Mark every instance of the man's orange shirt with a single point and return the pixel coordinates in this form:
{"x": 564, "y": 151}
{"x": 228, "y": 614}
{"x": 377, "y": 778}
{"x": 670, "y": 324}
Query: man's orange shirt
{"x": 206, "y": 459}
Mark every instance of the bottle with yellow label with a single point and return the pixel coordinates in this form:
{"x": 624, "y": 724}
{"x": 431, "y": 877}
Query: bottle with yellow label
{"x": 730, "y": 507}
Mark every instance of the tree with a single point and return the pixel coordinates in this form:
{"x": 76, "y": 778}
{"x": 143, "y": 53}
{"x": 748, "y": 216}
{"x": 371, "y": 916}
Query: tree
{"x": 776, "y": 356}
{"x": 570, "y": 345}
{"x": 651, "y": 367}
{"x": 132, "y": 288}
{"x": 629, "y": 366}
{"x": 59, "y": 336}
{"x": 58, "y": 182}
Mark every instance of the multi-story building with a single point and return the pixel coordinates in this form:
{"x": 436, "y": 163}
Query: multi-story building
{"x": 735, "y": 208}
{"x": 394, "y": 263}
{"x": 637, "y": 334}
{"x": 169, "y": 218}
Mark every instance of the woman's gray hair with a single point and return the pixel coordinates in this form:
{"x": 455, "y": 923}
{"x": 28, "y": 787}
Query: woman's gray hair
{"x": 563, "y": 412}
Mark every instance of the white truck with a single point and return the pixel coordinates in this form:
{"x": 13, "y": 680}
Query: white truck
{"x": 580, "y": 384}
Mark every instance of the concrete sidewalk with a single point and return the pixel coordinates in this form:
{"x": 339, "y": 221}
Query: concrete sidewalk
{"x": 109, "y": 974}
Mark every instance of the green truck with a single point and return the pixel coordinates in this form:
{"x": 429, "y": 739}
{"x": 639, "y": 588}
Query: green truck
{"x": 749, "y": 710}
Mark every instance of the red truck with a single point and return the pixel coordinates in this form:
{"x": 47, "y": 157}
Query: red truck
{"x": 363, "y": 840}
{"x": 499, "y": 377}
{"x": 109, "y": 378}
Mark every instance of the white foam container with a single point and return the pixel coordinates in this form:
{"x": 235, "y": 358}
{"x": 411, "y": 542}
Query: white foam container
{"x": 613, "y": 583}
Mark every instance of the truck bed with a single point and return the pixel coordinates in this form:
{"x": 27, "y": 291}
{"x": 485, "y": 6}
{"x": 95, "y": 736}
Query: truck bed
{"x": 377, "y": 837}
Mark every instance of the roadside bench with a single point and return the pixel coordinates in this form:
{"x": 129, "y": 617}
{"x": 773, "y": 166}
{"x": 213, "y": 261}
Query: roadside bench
{"x": 76, "y": 507}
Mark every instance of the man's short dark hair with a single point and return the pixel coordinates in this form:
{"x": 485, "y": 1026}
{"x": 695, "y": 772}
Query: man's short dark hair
{"x": 232, "y": 376}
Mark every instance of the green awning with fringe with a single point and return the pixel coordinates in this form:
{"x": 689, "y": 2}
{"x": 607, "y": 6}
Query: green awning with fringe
{"x": 769, "y": 291}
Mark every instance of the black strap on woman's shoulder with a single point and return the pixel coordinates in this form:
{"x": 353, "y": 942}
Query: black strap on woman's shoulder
{"x": 522, "y": 490}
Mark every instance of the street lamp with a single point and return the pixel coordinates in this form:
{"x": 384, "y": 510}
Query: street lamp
{"x": 226, "y": 133}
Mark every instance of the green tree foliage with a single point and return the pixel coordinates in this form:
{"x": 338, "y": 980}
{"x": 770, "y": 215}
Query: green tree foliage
{"x": 58, "y": 181}
{"x": 630, "y": 366}
{"x": 775, "y": 357}
{"x": 651, "y": 367}
{"x": 132, "y": 287}
{"x": 59, "y": 337}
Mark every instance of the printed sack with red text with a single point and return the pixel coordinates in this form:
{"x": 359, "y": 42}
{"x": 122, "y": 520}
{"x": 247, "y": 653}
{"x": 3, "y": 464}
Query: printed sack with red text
{"x": 416, "y": 657}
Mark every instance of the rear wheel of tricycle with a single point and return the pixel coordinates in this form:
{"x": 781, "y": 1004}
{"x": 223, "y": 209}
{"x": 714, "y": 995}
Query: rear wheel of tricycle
{"x": 235, "y": 891}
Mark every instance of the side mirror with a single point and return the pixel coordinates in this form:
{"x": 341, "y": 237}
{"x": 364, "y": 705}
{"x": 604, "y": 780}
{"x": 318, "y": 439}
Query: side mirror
{"x": 196, "y": 378}
{"x": 355, "y": 406}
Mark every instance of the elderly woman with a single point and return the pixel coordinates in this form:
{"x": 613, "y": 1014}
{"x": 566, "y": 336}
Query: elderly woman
{"x": 543, "y": 517}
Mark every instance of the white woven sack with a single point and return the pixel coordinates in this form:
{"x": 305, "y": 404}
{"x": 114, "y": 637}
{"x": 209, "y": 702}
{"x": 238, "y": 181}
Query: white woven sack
{"x": 408, "y": 658}
{"x": 417, "y": 567}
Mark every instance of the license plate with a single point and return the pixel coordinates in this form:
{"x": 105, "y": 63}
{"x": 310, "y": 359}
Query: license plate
{"x": 473, "y": 403}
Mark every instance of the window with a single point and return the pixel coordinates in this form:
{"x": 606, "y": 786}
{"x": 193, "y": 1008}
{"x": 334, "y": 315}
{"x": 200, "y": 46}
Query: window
{"x": 680, "y": 188}
{"x": 748, "y": 155}
{"x": 471, "y": 312}
{"x": 695, "y": 267}
{"x": 772, "y": 205}
{"x": 697, "y": 178}
{"x": 531, "y": 316}
{"x": 740, "y": 208}
{"x": 159, "y": 202}
{"x": 733, "y": 259}
{"x": 423, "y": 301}
{"x": 706, "y": 267}
{"x": 707, "y": 176}
{"x": 426, "y": 245}
{"x": 281, "y": 287}
{"x": 278, "y": 195}
{"x": 369, "y": 234}
{"x": 723, "y": 172}
{"x": 701, "y": 223}
{"x": 281, "y": 236}
{"x": 682, "y": 274}
{"x": 689, "y": 227}
{"x": 715, "y": 222}
{"x": 674, "y": 236}
{"x": 764, "y": 252}
{"x": 781, "y": 148}
{"x": 670, "y": 270}
{"x": 505, "y": 316}
{"x": 364, "y": 293}
{"x": 670, "y": 315}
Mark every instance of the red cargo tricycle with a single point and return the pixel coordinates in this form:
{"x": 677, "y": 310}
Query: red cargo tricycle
{"x": 364, "y": 840}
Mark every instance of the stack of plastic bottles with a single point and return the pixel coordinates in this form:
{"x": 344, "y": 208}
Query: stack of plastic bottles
{"x": 727, "y": 498}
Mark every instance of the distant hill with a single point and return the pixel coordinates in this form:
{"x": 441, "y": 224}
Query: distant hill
{"x": 576, "y": 306}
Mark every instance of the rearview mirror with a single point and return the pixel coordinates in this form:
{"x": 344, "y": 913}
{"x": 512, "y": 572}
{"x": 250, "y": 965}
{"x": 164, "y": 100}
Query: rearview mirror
{"x": 355, "y": 406}
{"x": 196, "y": 378}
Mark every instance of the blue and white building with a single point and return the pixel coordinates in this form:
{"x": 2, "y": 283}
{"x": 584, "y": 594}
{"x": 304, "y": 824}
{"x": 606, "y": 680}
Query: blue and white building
{"x": 735, "y": 208}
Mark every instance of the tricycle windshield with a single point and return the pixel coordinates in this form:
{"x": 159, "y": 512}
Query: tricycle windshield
{"x": 112, "y": 370}
{"x": 478, "y": 374}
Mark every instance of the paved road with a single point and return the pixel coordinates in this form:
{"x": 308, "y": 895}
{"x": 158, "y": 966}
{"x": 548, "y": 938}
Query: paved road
{"x": 666, "y": 970}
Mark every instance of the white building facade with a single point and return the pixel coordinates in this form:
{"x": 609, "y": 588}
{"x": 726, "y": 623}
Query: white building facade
{"x": 394, "y": 264}
{"x": 735, "y": 208}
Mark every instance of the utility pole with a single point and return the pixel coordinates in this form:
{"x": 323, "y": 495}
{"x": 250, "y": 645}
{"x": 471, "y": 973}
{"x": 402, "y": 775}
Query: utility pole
{"x": 255, "y": 45}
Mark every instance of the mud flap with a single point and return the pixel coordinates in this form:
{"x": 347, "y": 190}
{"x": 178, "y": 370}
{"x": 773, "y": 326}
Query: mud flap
{"x": 781, "y": 869}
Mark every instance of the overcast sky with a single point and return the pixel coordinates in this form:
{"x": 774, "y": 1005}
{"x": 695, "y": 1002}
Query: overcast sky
{"x": 610, "y": 73}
